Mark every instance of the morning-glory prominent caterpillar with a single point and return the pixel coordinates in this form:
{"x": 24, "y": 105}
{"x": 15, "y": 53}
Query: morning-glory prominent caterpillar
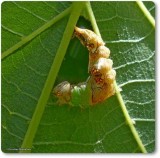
{"x": 99, "y": 86}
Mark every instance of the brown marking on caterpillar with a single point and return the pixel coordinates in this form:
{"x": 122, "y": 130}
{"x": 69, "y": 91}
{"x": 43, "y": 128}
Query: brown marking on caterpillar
{"x": 101, "y": 93}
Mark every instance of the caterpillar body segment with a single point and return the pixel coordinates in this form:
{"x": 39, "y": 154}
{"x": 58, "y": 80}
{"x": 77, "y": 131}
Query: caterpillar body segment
{"x": 82, "y": 95}
{"x": 102, "y": 65}
{"x": 101, "y": 52}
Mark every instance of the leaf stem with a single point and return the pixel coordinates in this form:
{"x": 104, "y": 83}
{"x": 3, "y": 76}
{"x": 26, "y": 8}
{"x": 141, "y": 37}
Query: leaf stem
{"x": 92, "y": 19}
{"x": 146, "y": 12}
{"x": 35, "y": 33}
{"x": 75, "y": 12}
{"x": 128, "y": 119}
{"x": 119, "y": 96}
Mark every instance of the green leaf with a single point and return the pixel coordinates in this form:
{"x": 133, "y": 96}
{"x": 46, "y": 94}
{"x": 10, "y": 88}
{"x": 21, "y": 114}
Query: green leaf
{"x": 35, "y": 38}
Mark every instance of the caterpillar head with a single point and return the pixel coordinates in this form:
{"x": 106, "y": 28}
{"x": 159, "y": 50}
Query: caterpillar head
{"x": 63, "y": 92}
{"x": 88, "y": 38}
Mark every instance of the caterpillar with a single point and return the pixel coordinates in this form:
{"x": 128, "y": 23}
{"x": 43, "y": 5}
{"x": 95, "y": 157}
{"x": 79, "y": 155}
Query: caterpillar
{"x": 74, "y": 95}
{"x": 99, "y": 86}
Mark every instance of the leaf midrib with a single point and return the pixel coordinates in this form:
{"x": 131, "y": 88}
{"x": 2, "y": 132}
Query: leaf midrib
{"x": 31, "y": 131}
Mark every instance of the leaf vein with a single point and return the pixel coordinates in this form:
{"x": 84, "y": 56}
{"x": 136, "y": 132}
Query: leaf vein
{"x": 18, "y": 88}
{"x": 134, "y": 40}
{"x": 31, "y": 68}
{"x": 11, "y": 31}
{"x": 12, "y": 134}
{"x": 143, "y": 120}
{"x": 45, "y": 47}
{"x": 134, "y": 62}
{"x": 63, "y": 142}
{"x": 15, "y": 113}
{"x": 112, "y": 130}
{"x": 151, "y": 142}
{"x": 28, "y": 11}
{"x": 139, "y": 103}
{"x": 47, "y": 4}
{"x": 136, "y": 81}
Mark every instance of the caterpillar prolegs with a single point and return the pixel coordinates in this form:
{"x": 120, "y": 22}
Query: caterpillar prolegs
{"x": 99, "y": 86}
